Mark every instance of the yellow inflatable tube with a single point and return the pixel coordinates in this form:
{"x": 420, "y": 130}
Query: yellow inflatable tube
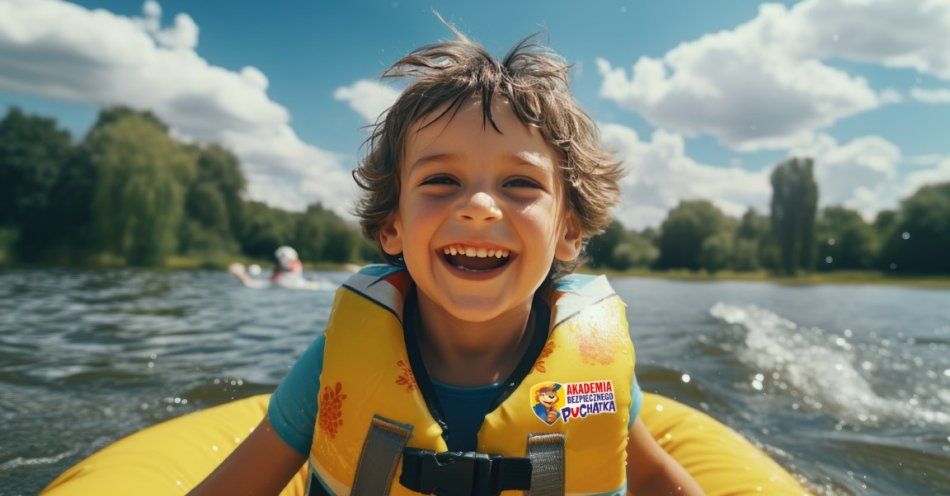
{"x": 172, "y": 457}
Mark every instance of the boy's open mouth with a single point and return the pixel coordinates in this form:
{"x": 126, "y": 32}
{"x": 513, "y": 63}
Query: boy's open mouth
{"x": 475, "y": 259}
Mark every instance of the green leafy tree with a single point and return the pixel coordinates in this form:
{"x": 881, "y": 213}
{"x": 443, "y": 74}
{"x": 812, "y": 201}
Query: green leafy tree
{"x": 312, "y": 231}
{"x": 264, "y": 228}
{"x": 342, "y": 241}
{"x": 600, "y": 248}
{"x": 920, "y": 241}
{"x": 794, "y": 205}
{"x": 685, "y": 229}
{"x": 885, "y": 225}
{"x": 717, "y": 251}
{"x": 752, "y": 243}
{"x": 636, "y": 250}
{"x": 141, "y": 174}
{"x": 33, "y": 153}
{"x": 34, "y": 158}
{"x": 213, "y": 204}
{"x": 845, "y": 240}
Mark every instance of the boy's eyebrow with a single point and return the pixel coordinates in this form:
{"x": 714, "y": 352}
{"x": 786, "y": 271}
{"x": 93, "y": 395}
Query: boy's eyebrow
{"x": 436, "y": 157}
{"x": 532, "y": 159}
{"x": 529, "y": 159}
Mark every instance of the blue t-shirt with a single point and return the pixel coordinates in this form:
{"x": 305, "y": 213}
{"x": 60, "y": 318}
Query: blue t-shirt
{"x": 293, "y": 407}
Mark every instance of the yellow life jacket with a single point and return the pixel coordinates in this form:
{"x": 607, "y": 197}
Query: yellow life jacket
{"x": 573, "y": 385}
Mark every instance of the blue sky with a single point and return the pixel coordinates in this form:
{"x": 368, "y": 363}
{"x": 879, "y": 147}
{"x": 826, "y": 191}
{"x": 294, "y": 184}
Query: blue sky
{"x": 699, "y": 99}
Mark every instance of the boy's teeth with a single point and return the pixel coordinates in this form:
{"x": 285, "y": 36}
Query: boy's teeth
{"x": 475, "y": 252}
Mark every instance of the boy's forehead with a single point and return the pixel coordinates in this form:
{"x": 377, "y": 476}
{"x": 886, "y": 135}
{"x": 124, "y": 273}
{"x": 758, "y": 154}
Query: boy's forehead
{"x": 444, "y": 130}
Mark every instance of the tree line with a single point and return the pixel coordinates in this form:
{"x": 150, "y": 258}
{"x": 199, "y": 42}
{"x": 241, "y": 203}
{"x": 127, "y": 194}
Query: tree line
{"x": 795, "y": 236}
{"x": 131, "y": 194}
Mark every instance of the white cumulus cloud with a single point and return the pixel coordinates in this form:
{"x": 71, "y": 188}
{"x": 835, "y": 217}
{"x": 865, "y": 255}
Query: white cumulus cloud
{"x": 59, "y": 50}
{"x": 659, "y": 175}
{"x": 915, "y": 180}
{"x": 930, "y": 95}
{"x": 867, "y": 174}
{"x": 765, "y": 84}
{"x": 861, "y": 174}
{"x": 368, "y": 98}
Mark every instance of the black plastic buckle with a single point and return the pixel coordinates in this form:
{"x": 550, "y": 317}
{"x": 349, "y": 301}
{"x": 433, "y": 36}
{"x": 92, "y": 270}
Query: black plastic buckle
{"x": 453, "y": 473}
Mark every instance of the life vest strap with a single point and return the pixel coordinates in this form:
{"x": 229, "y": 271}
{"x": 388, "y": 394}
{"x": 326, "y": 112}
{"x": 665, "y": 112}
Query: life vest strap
{"x": 546, "y": 452}
{"x": 453, "y": 473}
{"x": 380, "y": 455}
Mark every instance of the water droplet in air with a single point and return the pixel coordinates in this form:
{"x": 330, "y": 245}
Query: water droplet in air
{"x": 685, "y": 378}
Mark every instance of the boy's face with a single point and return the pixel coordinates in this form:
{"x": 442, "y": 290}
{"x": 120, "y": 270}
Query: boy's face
{"x": 481, "y": 216}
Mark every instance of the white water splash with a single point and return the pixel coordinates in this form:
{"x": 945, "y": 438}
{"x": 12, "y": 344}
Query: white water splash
{"x": 43, "y": 460}
{"x": 823, "y": 368}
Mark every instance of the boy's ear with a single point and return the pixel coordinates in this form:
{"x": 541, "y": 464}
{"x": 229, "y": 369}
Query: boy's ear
{"x": 572, "y": 239}
{"x": 390, "y": 236}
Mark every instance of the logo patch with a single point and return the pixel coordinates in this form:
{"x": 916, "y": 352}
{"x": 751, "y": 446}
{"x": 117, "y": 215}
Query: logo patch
{"x": 551, "y": 401}
{"x": 547, "y": 401}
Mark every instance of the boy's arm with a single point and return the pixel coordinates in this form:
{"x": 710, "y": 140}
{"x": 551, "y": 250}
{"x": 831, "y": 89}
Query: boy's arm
{"x": 651, "y": 470}
{"x": 237, "y": 270}
{"x": 262, "y": 464}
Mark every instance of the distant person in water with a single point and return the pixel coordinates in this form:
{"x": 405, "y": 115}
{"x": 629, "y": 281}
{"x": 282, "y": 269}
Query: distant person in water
{"x": 287, "y": 265}
{"x": 287, "y": 273}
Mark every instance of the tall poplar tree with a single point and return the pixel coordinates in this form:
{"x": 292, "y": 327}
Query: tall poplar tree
{"x": 794, "y": 206}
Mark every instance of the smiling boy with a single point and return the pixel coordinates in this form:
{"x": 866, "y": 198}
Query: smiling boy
{"x": 481, "y": 185}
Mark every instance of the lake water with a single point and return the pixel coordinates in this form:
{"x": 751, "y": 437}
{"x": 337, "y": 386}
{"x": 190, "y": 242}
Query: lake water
{"x": 846, "y": 386}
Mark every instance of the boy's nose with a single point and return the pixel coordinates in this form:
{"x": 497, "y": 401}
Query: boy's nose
{"x": 480, "y": 207}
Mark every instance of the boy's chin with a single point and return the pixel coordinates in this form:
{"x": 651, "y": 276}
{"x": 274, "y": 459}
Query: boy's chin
{"x": 476, "y": 308}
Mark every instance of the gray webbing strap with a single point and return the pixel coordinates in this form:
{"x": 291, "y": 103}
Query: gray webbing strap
{"x": 546, "y": 452}
{"x": 381, "y": 452}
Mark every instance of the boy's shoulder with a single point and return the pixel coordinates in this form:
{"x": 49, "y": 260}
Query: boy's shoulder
{"x": 384, "y": 284}
{"x": 584, "y": 286}
{"x": 376, "y": 271}
{"x": 573, "y": 293}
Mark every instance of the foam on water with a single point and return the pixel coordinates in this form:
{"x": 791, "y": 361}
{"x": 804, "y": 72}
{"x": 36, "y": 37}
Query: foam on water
{"x": 20, "y": 461}
{"x": 824, "y": 368}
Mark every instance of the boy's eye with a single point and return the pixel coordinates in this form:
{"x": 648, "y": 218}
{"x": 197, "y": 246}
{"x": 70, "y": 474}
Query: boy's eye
{"x": 522, "y": 182}
{"x": 440, "y": 180}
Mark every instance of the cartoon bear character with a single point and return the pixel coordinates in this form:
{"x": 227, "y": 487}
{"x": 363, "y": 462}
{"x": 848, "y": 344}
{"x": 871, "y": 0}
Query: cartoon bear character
{"x": 546, "y": 406}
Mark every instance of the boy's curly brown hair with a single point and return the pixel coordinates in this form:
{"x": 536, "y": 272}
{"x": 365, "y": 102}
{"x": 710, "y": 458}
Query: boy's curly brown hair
{"x": 534, "y": 80}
